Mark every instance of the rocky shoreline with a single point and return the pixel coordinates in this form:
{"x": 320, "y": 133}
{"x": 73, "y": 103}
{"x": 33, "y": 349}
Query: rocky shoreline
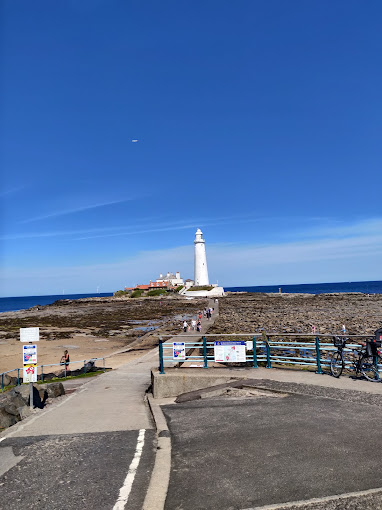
{"x": 101, "y": 317}
{"x": 297, "y": 313}
{"x": 94, "y": 327}
{"x": 100, "y": 326}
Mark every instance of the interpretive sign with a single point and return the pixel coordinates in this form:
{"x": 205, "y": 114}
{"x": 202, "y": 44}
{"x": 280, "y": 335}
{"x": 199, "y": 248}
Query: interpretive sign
{"x": 229, "y": 352}
{"x": 29, "y": 354}
{"x": 179, "y": 351}
{"x": 29, "y": 334}
{"x": 30, "y": 373}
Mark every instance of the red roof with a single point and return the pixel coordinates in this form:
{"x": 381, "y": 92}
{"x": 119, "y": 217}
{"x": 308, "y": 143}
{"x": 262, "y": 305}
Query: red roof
{"x": 142, "y": 287}
{"x": 158, "y": 284}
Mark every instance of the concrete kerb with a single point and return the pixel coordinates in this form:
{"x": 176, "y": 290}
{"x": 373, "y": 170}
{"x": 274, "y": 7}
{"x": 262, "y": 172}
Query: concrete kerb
{"x": 328, "y": 502}
{"x": 157, "y": 492}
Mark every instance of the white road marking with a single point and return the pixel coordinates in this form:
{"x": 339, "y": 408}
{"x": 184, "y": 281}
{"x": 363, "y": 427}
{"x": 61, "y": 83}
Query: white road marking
{"x": 125, "y": 490}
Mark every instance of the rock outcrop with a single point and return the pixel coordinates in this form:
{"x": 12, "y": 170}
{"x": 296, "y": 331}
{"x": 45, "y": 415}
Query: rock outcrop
{"x": 14, "y": 405}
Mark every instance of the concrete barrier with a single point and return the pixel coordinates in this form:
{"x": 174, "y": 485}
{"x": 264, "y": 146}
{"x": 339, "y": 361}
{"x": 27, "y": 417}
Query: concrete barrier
{"x": 177, "y": 380}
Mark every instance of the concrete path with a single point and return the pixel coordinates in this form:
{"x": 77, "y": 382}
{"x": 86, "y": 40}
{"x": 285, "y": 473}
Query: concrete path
{"x": 92, "y": 449}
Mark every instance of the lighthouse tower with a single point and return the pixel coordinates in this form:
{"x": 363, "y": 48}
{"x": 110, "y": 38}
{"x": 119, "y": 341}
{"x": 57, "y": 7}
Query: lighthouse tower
{"x": 201, "y": 272}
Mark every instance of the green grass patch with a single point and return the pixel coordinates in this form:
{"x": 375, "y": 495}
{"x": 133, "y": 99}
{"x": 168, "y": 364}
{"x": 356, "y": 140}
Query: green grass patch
{"x": 157, "y": 292}
{"x": 136, "y": 293}
{"x": 69, "y": 377}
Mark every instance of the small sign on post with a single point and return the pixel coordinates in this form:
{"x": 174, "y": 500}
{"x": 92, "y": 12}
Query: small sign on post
{"x": 179, "y": 351}
{"x": 30, "y": 374}
{"x": 29, "y": 354}
{"x": 30, "y": 335}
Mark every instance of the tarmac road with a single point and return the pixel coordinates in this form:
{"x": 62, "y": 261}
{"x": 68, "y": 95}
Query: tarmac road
{"x": 63, "y": 472}
{"x": 248, "y": 453}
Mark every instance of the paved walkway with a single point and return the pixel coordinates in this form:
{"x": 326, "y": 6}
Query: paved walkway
{"x": 86, "y": 449}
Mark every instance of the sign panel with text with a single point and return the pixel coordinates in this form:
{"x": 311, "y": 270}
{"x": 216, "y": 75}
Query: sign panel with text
{"x": 179, "y": 351}
{"x": 30, "y": 373}
{"x": 29, "y": 354}
{"x": 229, "y": 352}
{"x": 29, "y": 334}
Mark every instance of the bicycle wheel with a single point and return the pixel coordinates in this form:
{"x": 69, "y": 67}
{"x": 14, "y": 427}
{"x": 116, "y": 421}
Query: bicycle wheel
{"x": 369, "y": 367}
{"x": 337, "y": 364}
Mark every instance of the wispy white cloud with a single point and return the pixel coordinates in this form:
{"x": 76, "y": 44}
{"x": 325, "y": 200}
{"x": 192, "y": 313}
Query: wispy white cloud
{"x": 311, "y": 260}
{"x": 336, "y": 228}
{"x": 145, "y": 225}
{"x": 64, "y": 212}
{"x": 174, "y": 226}
{"x": 10, "y": 191}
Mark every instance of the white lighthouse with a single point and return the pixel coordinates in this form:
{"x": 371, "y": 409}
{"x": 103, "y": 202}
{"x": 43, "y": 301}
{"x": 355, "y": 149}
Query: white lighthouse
{"x": 200, "y": 268}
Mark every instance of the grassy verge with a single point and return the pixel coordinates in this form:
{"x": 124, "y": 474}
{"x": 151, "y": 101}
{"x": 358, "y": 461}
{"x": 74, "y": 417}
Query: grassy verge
{"x": 60, "y": 379}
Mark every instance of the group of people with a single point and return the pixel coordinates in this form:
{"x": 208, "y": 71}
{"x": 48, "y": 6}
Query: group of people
{"x": 196, "y": 324}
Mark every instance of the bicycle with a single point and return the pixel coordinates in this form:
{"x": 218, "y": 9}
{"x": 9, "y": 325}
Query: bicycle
{"x": 365, "y": 360}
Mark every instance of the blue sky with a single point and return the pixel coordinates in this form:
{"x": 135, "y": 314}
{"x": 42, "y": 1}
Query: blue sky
{"x": 257, "y": 121}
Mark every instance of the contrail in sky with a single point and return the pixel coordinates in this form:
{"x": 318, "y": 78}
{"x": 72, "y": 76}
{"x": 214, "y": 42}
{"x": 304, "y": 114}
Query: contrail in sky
{"x": 75, "y": 210}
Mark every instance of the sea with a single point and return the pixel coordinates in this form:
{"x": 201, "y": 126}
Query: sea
{"x": 10, "y": 304}
{"x": 372, "y": 287}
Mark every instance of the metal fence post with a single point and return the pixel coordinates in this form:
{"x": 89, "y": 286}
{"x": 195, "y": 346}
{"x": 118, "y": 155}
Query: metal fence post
{"x": 254, "y": 353}
{"x": 161, "y": 367}
{"x": 42, "y": 373}
{"x": 205, "y": 352}
{"x": 104, "y": 369}
{"x": 18, "y": 377}
{"x": 85, "y": 366}
{"x": 65, "y": 370}
{"x": 318, "y": 356}
{"x": 269, "y": 365}
{"x": 2, "y": 383}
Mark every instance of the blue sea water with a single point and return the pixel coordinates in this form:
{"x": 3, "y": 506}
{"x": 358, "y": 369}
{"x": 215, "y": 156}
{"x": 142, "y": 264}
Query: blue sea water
{"x": 11, "y": 304}
{"x": 372, "y": 287}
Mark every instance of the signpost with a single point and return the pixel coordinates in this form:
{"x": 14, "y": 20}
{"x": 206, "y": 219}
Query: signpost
{"x": 179, "y": 351}
{"x": 30, "y": 335}
{"x": 229, "y": 352}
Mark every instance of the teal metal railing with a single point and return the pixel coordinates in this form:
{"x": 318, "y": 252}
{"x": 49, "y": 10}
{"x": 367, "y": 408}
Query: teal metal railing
{"x": 299, "y": 350}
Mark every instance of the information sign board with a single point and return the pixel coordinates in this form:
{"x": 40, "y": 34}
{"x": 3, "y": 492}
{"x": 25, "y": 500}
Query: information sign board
{"x": 229, "y": 352}
{"x": 179, "y": 351}
{"x": 29, "y": 354}
{"x": 30, "y": 373}
{"x": 29, "y": 334}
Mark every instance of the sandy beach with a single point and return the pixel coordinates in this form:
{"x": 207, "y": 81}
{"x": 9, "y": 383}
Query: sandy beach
{"x": 94, "y": 328}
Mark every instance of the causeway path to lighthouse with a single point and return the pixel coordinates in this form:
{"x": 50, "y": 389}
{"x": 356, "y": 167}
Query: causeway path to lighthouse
{"x": 92, "y": 449}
